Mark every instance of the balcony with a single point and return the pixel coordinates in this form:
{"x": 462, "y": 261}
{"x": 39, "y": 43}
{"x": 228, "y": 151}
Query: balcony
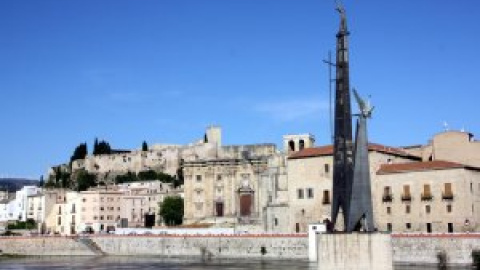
{"x": 427, "y": 197}
{"x": 326, "y": 201}
{"x": 406, "y": 198}
{"x": 387, "y": 198}
{"x": 447, "y": 197}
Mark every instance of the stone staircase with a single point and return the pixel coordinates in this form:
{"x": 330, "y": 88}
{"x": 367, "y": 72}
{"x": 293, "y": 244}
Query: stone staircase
{"x": 91, "y": 245}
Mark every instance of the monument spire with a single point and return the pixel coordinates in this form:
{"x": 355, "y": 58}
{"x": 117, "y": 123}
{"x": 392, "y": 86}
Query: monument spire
{"x": 343, "y": 148}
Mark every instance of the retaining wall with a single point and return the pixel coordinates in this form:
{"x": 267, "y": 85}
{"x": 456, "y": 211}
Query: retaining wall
{"x": 407, "y": 248}
{"x": 231, "y": 246}
{"x": 424, "y": 248}
{"x": 44, "y": 246}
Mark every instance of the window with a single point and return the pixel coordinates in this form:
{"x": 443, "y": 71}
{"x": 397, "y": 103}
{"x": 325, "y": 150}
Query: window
{"x": 101, "y": 217}
{"x": 199, "y": 178}
{"x": 389, "y": 227}
{"x": 301, "y": 144}
{"x": 389, "y": 210}
{"x": 291, "y": 146}
{"x": 408, "y": 226}
{"x": 429, "y": 227}
{"x": 275, "y": 221}
{"x": 449, "y": 208}
{"x": 297, "y": 227}
{"x": 300, "y": 193}
{"x": 387, "y": 194}
{"x": 406, "y": 197}
{"x": 59, "y": 221}
{"x": 326, "y": 197}
{"x": 427, "y": 194}
{"x": 450, "y": 227}
{"x": 310, "y": 193}
{"x": 447, "y": 192}
{"x": 219, "y": 177}
{"x": 101, "y": 208}
{"x": 427, "y": 209}
{"x": 326, "y": 167}
{"x": 407, "y": 209}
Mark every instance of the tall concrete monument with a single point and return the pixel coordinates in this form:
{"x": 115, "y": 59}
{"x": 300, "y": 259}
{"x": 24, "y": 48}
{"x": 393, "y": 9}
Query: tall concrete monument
{"x": 342, "y": 147}
{"x": 351, "y": 175}
{"x": 352, "y": 197}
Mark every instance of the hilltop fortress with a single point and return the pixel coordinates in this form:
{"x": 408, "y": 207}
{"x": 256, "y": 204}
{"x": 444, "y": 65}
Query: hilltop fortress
{"x": 166, "y": 158}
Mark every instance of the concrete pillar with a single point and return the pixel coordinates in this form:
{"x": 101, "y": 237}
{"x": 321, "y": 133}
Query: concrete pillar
{"x": 355, "y": 251}
{"x": 313, "y": 231}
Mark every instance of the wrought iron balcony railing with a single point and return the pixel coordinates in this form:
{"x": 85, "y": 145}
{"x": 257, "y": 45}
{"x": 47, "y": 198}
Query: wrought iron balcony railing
{"x": 447, "y": 197}
{"x": 387, "y": 198}
{"x": 427, "y": 197}
{"x": 406, "y": 198}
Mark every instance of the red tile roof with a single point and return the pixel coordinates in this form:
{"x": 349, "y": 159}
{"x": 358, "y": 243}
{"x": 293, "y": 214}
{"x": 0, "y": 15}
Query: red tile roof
{"x": 327, "y": 150}
{"x": 421, "y": 166}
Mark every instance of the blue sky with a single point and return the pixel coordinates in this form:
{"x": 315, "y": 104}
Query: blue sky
{"x": 163, "y": 70}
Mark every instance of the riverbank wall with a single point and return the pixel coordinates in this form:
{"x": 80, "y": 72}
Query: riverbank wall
{"x": 407, "y": 248}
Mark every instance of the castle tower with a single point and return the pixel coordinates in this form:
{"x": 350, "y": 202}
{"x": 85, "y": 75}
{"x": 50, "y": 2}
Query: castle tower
{"x": 343, "y": 148}
{"x": 214, "y": 135}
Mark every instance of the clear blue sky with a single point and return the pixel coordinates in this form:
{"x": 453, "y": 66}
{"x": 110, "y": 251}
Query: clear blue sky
{"x": 163, "y": 70}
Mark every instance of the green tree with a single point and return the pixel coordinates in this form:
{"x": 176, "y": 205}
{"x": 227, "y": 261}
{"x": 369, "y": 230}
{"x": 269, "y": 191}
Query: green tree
{"x": 171, "y": 210}
{"x": 85, "y": 180}
{"x": 101, "y": 148}
{"x": 80, "y": 152}
{"x": 147, "y": 175}
{"x": 41, "y": 183}
{"x": 144, "y": 146}
{"x": 126, "y": 178}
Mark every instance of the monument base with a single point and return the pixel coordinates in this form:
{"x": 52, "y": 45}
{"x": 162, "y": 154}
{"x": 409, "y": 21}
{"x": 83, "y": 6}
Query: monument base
{"x": 354, "y": 251}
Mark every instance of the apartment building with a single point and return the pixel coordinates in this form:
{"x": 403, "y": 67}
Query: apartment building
{"x": 430, "y": 196}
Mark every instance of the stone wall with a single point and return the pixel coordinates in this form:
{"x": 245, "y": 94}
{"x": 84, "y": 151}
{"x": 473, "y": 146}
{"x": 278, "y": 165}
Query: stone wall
{"x": 407, "y": 248}
{"x": 241, "y": 246}
{"x": 424, "y": 248}
{"x": 44, "y": 246}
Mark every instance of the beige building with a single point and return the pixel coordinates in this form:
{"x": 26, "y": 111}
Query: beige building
{"x": 100, "y": 210}
{"x": 310, "y": 173}
{"x": 454, "y": 146}
{"x": 142, "y": 198}
{"x": 431, "y": 196}
{"x": 44, "y": 207}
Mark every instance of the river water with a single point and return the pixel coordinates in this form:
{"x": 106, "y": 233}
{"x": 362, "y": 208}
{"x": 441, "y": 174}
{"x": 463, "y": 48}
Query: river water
{"x": 147, "y": 263}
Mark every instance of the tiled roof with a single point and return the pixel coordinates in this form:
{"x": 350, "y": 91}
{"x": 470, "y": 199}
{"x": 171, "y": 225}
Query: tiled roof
{"x": 421, "y": 166}
{"x": 327, "y": 150}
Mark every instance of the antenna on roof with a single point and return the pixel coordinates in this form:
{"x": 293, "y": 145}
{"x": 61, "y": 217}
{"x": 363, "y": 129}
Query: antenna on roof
{"x": 445, "y": 126}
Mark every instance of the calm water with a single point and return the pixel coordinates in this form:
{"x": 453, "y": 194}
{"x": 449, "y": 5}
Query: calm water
{"x": 145, "y": 263}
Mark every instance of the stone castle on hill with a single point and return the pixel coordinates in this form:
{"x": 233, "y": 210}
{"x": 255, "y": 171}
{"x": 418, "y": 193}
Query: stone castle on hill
{"x": 423, "y": 188}
{"x": 166, "y": 158}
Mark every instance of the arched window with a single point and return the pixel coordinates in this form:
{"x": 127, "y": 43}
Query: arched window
{"x": 291, "y": 145}
{"x": 301, "y": 145}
